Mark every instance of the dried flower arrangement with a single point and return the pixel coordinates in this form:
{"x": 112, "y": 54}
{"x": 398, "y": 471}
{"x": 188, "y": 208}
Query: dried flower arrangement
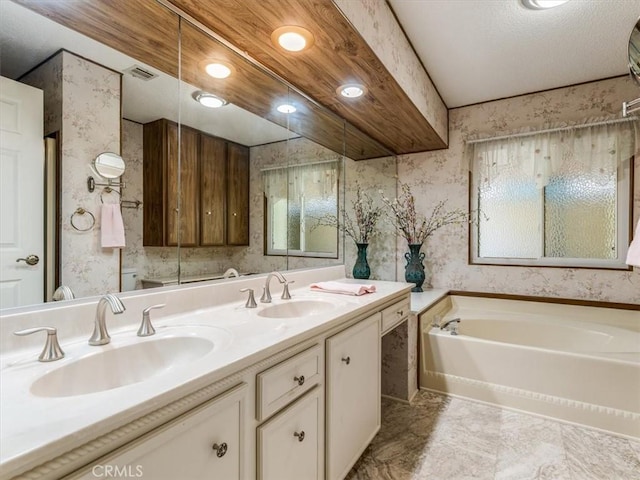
{"x": 414, "y": 226}
{"x": 361, "y": 228}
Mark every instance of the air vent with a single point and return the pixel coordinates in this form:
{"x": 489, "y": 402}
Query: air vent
{"x": 141, "y": 73}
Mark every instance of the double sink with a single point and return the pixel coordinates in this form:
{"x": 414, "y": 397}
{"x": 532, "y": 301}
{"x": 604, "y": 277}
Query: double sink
{"x": 129, "y": 359}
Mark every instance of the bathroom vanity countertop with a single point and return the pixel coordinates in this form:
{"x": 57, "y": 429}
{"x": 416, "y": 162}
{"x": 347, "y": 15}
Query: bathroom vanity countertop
{"x": 36, "y": 429}
{"x": 421, "y": 301}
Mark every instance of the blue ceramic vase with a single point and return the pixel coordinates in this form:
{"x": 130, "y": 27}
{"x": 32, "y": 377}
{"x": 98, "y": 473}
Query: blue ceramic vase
{"x": 414, "y": 270}
{"x": 361, "y": 268}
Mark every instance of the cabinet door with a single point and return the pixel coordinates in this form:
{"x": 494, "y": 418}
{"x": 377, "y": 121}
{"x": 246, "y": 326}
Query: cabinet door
{"x": 183, "y": 449}
{"x": 153, "y": 172}
{"x": 290, "y": 444}
{"x": 213, "y": 190}
{"x": 187, "y": 171}
{"x": 353, "y": 394}
{"x": 238, "y": 195}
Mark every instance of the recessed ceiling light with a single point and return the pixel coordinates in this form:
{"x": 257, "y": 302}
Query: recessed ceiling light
{"x": 218, "y": 70}
{"x": 352, "y": 90}
{"x": 542, "y": 4}
{"x": 208, "y": 100}
{"x": 286, "y": 108}
{"x": 292, "y": 38}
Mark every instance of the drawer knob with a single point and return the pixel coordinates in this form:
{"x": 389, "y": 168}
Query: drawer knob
{"x": 220, "y": 449}
{"x": 299, "y": 379}
{"x": 347, "y": 360}
{"x": 299, "y": 435}
{"x": 400, "y": 313}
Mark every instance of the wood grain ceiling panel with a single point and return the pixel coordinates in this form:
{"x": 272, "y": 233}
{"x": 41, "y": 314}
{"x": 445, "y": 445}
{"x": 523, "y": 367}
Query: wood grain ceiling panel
{"x": 338, "y": 56}
{"x": 145, "y": 30}
{"x": 254, "y": 90}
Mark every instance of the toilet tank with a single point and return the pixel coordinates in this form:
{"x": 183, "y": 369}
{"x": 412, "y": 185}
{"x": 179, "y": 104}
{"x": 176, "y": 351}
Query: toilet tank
{"x": 129, "y": 276}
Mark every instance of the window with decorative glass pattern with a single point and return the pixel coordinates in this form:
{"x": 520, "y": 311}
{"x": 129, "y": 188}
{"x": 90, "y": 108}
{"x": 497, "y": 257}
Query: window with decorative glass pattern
{"x": 558, "y": 197}
{"x": 295, "y": 197}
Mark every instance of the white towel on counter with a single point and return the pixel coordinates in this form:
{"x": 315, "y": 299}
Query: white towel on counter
{"x": 343, "y": 288}
{"x": 633, "y": 254}
{"x": 112, "y": 226}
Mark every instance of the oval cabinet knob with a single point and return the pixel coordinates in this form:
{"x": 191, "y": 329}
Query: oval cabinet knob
{"x": 220, "y": 449}
{"x": 30, "y": 260}
{"x": 299, "y": 379}
{"x": 300, "y": 435}
{"x": 346, "y": 360}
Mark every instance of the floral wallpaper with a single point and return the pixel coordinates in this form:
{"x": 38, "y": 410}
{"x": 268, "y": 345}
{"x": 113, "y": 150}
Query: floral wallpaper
{"x": 443, "y": 175}
{"x": 377, "y": 24}
{"x": 85, "y": 107}
{"x": 376, "y": 177}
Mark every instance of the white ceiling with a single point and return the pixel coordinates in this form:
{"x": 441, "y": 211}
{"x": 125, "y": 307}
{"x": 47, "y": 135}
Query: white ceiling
{"x": 480, "y": 50}
{"x": 27, "y": 39}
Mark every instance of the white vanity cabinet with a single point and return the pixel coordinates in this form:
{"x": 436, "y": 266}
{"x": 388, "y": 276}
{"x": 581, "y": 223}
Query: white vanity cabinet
{"x": 290, "y": 445}
{"x": 353, "y": 394}
{"x": 206, "y": 443}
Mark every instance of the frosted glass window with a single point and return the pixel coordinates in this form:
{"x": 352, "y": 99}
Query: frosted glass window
{"x": 553, "y": 198}
{"x": 510, "y": 224}
{"x": 580, "y": 215}
{"x": 295, "y": 197}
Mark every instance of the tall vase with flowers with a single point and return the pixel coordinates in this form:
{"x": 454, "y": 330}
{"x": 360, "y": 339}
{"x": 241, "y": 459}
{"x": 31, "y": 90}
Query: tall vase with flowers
{"x": 360, "y": 226}
{"x": 416, "y": 228}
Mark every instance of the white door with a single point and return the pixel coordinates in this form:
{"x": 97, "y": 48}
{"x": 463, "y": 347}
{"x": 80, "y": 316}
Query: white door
{"x": 21, "y": 194}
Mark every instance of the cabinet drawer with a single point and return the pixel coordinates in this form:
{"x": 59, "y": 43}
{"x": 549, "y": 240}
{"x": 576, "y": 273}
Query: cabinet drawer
{"x": 395, "y": 314}
{"x": 290, "y": 445}
{"x": 285, "y": 382}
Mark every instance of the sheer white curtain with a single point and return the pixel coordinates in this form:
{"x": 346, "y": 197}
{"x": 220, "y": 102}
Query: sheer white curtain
{"x": 600, "y": 147}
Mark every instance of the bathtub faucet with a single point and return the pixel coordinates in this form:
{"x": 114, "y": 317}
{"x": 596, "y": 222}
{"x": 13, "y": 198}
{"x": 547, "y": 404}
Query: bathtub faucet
{"x": 451, "y": 326}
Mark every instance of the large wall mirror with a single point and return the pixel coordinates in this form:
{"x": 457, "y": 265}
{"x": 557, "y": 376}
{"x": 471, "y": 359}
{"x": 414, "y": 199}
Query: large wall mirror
{"x": 180, "y": 226}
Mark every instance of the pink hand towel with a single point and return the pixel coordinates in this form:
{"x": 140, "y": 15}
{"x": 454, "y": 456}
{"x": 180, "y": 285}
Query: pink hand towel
{"x": 112, "y": 226}
{"x": 343, "y": 288}
{"x": 633, "y": 254}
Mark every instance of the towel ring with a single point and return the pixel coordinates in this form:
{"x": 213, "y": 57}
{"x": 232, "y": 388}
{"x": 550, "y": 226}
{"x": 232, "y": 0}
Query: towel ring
{"x": 82, "y": 211}
{"x": 110, "y": 190}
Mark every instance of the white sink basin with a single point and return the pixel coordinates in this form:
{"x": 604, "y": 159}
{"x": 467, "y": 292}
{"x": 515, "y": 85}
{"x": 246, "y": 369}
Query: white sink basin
{"x": 297, "y": 308}
{"x": 114, "y": 366}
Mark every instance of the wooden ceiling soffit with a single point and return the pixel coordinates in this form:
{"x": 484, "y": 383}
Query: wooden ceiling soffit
{"x": 147, "y": 31}
{"x": 255, "y": 90}
{"x": 338, "y": 56}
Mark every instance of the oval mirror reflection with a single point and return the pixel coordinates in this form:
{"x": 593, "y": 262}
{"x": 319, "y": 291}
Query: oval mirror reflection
{"x": 109, "y": 165}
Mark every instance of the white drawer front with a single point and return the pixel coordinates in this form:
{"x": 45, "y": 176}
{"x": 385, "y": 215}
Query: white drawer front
{"x": 395, "y": 314}
{"x": 290, "y": 444}
{"x": 283, "y": 383}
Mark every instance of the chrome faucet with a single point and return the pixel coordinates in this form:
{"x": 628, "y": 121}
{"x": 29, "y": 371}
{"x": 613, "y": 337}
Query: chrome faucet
{"x": 100, "y": 335}
{"x": 451, "y": 326}
{"x": 63, "y": 293}
{"x": 266, "y": 293}
{"x": 230, "y": 272}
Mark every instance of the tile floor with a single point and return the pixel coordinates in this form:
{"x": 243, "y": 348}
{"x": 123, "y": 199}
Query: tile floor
{"x": 444, "y": 438}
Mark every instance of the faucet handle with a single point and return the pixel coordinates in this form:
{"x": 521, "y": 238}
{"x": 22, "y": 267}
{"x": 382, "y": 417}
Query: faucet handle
{"x": 266, "y": 295}
{"x": 146, "y": 328}
{"x": 285, "y": 290}
{"x": 251, "y": 301}
{"x": 51, "y": 350}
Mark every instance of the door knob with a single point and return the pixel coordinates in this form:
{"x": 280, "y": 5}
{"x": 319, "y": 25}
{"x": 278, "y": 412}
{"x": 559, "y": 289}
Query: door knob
{"x": 30, "y": 260}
